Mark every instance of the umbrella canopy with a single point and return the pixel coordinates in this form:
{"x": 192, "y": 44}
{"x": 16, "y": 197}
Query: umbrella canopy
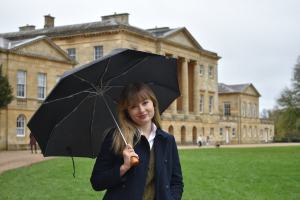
{"x": 74, "y": 118}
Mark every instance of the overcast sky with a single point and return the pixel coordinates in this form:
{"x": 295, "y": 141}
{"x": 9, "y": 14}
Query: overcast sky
{"x": 258, "y": 40}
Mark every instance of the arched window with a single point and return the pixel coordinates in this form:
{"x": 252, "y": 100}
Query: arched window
{"x": 21, "y": 121}
{"x": 194, "y": 135}
{"x": 171, "y": 130}
{"x": 183, "y": 135}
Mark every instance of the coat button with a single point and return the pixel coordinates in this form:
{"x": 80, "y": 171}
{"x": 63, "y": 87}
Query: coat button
{"x": 166, "y": 161}
{"x": 167, "y": 186}
{"x": 123, "y": 186}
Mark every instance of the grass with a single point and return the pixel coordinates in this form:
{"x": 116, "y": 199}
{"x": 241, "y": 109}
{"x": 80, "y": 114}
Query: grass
{"x": 238, "y": 173}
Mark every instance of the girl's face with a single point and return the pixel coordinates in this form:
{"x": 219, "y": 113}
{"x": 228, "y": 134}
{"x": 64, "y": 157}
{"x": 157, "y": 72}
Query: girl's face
{"x": 141, "y": 112}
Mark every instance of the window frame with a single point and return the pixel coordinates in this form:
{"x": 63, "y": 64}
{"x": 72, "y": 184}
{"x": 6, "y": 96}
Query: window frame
{"x": 20, "y": 125}
{"x": 211, "y": 71}
{"x": 72, "y": 53}
{"x": 226, "y": 109}
{"x": 41, "y": 89}
{"x": 201, "y": 103}
{"x": 98, "y": 52}
{"x": 21, "y": 84}
{"x": 201, "y": 70}
{"x": 210, "y": 104}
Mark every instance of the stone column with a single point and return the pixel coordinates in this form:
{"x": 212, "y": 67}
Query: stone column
{"x": 174, "y": 107}
{"x": 185, "y": 88}
{"x": 196, "y": 88}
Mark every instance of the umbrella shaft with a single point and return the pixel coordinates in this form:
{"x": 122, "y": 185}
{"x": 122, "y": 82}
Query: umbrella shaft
{"x": 115, "y": 121}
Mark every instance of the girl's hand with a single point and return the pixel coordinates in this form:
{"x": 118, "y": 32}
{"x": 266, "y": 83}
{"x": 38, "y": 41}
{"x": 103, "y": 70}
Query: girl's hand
{"x": 128, "y": 152}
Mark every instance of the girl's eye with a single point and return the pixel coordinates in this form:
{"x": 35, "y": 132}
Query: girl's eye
{"x": 145, "y": 102}
{"x": 132, "y": 107}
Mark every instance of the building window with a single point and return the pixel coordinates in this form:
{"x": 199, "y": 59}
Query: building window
{"x": 211, "y": 131}
{"x": 42, "y": 81}
{"x": 249, "y": 110}
{"x": 211, "y": 104}
{"x": 233, "y": 132}
{"x": 201, "y": 103}
{"x": 72, "y": 53}
{"x": 98, "y": 52}
{"x": 21, "y": 126}
{"x": 201, "y": 70}
{"x": 261, "y": 133}
{"x": 243, "y": 109}
{"x": 21, "y": 84}
{"x": 245, "y": 131}
{"x": 226, "y": 109}
{"x": 254, "y": 110}
{"x": 221, "y": 131}
{"x": 211, "y": 71}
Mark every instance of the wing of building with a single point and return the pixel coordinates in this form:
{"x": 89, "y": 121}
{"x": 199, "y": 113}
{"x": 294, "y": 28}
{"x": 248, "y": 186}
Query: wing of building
{"x": 34, "y": 59}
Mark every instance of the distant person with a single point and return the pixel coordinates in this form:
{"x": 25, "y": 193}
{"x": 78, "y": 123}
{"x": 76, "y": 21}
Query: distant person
{"x": 199, "y": 141}
{"x": 207, "y": 140}
{"x": 32, "y": 143}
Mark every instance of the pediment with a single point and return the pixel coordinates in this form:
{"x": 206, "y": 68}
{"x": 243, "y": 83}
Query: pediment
{"x": 250, "y": 90}
{"x": 183, "y": 37}
{"x": 42, "y": 48}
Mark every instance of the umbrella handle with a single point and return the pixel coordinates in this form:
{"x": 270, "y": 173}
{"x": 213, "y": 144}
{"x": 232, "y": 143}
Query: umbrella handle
{"x": 134, "y": 161}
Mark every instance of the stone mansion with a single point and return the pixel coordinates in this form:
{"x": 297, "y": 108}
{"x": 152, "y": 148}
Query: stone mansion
{"x": 34, "y": 59}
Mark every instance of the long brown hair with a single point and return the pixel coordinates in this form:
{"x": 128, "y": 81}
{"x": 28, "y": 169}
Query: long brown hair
{"x": 131, "y": 94}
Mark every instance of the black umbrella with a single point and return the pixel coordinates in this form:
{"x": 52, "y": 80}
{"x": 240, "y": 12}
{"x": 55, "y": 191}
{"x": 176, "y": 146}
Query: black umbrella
{"x": 74, "y": 118}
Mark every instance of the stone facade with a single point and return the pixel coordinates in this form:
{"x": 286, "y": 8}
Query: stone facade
{"x": 33, "y": 56}
{"x": 242, "y": 123}
{"x": 198, "y": 112}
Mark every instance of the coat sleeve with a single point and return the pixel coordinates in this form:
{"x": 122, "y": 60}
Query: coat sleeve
{"x": 176, "y": 185}
{"x": 106, "y": 171}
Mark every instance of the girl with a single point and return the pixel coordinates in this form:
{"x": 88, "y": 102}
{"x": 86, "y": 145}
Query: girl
{"x": 158, "y": 175}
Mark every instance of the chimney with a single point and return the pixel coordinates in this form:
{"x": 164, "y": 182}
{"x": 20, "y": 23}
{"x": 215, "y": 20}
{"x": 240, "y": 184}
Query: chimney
{"x": 27, "y": 28}
{"x": 49, "y": 21}
{"x": 120, "y": 18}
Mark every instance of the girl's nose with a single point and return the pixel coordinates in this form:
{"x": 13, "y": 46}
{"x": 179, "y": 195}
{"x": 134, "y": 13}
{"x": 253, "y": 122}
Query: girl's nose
{"x": 141, "y": 108}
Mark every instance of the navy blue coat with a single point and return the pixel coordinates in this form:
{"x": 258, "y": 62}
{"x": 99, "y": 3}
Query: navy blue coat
{"x": 168, "y": 176}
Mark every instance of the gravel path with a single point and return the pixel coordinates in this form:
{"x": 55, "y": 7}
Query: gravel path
{"x": 14, "y": 159}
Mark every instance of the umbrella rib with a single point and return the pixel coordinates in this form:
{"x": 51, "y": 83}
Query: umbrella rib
{"x": 103, "y": 74}
{"x": 91, "y": 126}
{"x": 84, "y": 80}
{"x": 70, "y": 96}
{"x": 127, "y": 71}
{"x": 62, "y": 120}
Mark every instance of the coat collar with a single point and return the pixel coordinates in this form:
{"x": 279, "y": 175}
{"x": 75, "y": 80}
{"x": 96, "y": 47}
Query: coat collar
{"x": 161, "y": 133}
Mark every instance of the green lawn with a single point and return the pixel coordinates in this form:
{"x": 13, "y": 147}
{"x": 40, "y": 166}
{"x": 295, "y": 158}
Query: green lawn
{"x": 239, "y": 173}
